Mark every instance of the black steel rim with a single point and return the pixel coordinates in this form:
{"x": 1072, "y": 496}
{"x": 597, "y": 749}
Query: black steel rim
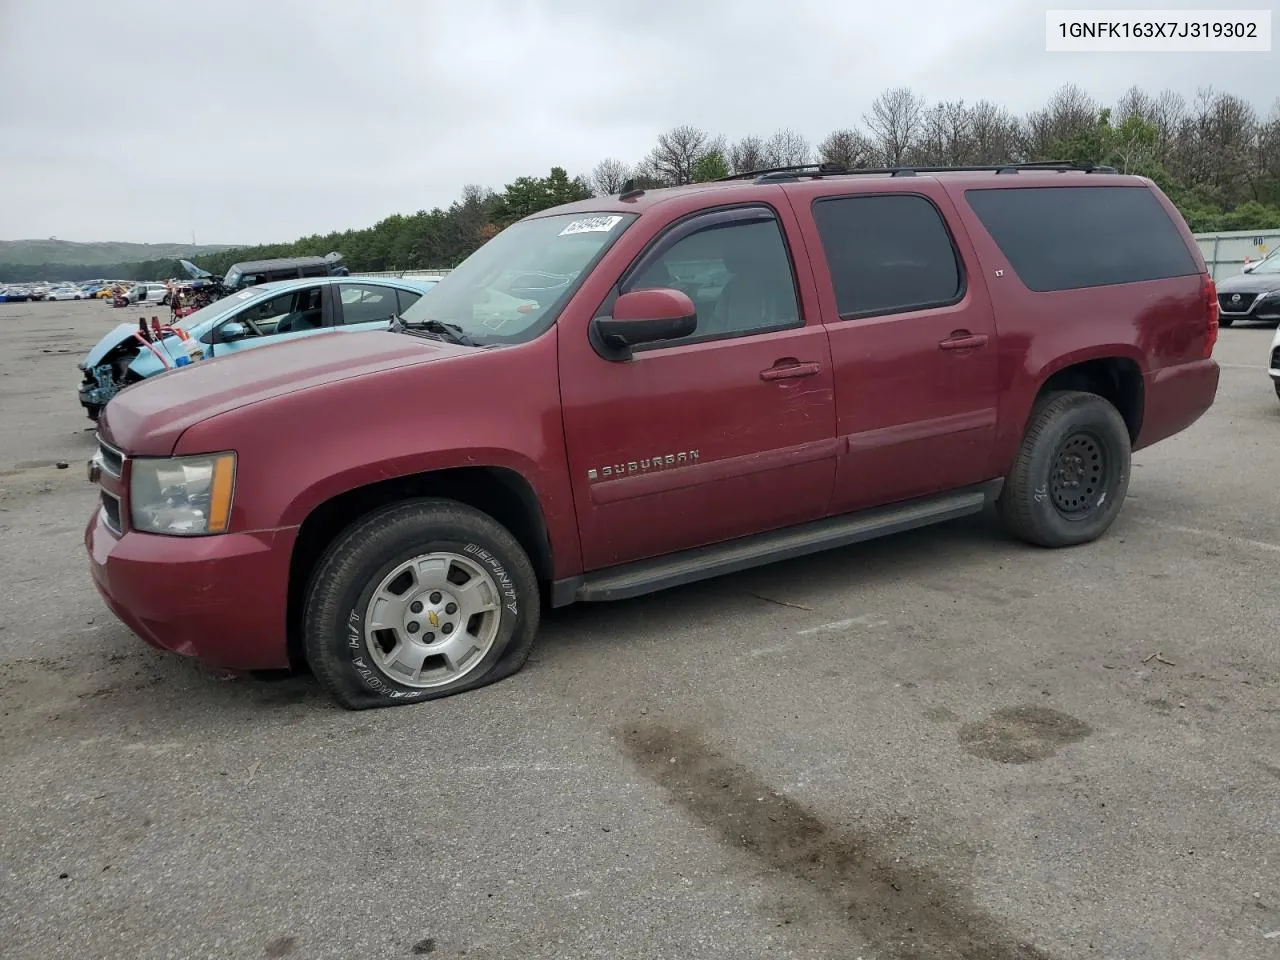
{"x": 1079, "y": 475}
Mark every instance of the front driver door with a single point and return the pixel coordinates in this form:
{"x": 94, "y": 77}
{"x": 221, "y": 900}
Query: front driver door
{"x": 286, "y": 316}
{"x": 728, "y": 432}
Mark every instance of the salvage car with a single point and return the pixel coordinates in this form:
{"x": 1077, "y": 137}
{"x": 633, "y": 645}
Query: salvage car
{"x": 737, "y": 373}
{"x": 1254, "y": 295}
{"x": 254, "y": 317}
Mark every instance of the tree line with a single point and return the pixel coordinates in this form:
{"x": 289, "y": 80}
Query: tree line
{"x": 1214, "y": 155}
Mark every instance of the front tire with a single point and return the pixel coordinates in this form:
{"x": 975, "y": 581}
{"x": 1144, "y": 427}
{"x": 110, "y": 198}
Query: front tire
{"x": 421, "y": 600}
{"x": 1225, "y": 321}
{"x": 1276, "y": 384}
{"x": 1071, "y": 474}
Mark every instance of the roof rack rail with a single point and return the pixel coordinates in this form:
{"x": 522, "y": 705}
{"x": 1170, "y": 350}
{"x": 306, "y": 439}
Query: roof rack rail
{"x": 793, "y": 173}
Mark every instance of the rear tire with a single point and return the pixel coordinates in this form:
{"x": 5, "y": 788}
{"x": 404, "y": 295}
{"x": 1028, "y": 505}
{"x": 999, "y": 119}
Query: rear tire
{"x": 1071, "y": 474}
{"x": 421, "y": 600}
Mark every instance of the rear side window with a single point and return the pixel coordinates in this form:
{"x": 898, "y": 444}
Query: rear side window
{"x": 888, "y": 253}
{"x": 1066, "y": 238}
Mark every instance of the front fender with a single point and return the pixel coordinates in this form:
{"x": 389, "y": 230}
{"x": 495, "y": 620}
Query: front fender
{"x": 117, "y": 336}
{"x": 147, "y": 364}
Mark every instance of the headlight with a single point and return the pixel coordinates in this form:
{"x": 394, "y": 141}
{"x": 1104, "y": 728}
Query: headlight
{"x": 182, "y": 496}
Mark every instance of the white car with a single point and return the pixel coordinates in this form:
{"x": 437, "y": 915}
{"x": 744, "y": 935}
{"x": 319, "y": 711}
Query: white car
{"x": 1274, "y": 363}
{"x": 148, "y": 293}
{"x": 65, "y": 293}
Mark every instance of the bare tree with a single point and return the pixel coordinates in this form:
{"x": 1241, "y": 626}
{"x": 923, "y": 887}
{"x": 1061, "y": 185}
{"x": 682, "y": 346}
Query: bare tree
{"x": 896, "y": 122}
{"x": 1168, "y": 113}
{"x": 608, "y": 177}
{"x": 947, "y": 138}
{"x": 678, "y": 152}
{"x": 1135, "y": 102}
{"x": 786, "y": 148}
{"x": 1071, "y": 111}
{"x": 849, "y": 148}
{"x": 746, "y": 155}
{"x": 994, "y": 133}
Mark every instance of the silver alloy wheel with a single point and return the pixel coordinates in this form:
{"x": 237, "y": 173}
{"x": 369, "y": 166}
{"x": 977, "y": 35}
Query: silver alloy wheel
{"x": 432, "y": 619}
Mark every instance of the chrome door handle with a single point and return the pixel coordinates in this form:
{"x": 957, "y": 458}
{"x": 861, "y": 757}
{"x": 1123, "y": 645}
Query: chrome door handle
{"x": 963, "y": 340}
{"x": 790, "y": 370}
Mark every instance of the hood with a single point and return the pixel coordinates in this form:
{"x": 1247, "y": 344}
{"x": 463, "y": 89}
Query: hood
{"x": 149, "y": 417}
{"x": 1250, "y": 283}
{"x": 119, "y": 335}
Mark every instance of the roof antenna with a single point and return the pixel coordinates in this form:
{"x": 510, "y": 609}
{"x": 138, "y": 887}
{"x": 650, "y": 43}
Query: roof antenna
{"x": 629, "y": 191}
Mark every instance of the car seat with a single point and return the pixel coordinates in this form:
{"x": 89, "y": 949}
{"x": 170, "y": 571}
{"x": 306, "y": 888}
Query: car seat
{"x": 306, "y": 317}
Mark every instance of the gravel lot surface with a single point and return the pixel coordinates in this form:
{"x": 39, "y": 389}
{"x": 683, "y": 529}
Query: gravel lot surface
{"x": 940, "y": 745}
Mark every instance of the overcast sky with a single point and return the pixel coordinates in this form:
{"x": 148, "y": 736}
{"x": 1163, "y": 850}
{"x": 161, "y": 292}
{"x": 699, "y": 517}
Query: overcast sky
{"x": 263, "y": 121}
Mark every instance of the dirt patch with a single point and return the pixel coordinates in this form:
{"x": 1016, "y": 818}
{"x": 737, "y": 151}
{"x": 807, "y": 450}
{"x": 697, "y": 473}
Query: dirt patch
{"x": 281, "y": 947}
{"x": 940, "y": 715}
{"x": 906, "y": 912}
{"x": 1021, "y": 734}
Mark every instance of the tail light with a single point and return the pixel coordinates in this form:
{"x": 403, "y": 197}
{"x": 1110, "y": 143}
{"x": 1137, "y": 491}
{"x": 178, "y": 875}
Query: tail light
{"x": 1211, "y": 315}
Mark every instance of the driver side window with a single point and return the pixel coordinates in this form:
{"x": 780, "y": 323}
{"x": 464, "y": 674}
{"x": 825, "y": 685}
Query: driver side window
{"x": 738, "y": 276}
{"x": 285, "y": 313}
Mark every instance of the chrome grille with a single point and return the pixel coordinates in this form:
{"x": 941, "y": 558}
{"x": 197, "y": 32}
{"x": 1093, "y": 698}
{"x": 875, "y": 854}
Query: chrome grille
{"x": 1228, "y": 304}
{"x": 109, "y": 458}
{"x": 111, "y": 512}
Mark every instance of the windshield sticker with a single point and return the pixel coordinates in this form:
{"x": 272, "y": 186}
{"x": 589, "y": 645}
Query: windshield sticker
{"x": 592, "y": 225}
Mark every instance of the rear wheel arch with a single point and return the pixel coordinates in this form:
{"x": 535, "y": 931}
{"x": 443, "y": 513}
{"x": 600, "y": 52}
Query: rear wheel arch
{"x": 1117, "y": 379}
{"x": 501, "y": 493}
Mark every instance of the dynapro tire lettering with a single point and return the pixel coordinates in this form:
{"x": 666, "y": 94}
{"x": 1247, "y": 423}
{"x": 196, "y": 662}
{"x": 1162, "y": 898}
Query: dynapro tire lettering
{"x": 375, "y": 682}
{"x": 501, "y": 577}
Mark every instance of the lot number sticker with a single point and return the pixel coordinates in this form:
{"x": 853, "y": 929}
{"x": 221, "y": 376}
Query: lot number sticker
{"x": 591, "y": 225}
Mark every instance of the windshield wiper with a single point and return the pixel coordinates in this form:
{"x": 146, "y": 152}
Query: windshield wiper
{"x": 437, "y": 329}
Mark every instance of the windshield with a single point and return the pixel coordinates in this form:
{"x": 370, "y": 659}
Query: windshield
{"x": 1269, "y": 265}
{"x": 513, "y": 287}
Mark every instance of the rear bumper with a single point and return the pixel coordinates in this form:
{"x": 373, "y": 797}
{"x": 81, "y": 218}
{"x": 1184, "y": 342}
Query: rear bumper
{"x": 221, "y": 599}
{"x": 1175, "y": 398}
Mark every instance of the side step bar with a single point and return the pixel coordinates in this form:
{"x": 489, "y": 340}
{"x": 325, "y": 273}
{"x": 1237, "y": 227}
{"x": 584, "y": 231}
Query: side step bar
{"x": 701, "y": 563}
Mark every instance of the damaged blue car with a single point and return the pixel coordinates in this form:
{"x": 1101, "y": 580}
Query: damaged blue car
{"x": 259, "y": 315}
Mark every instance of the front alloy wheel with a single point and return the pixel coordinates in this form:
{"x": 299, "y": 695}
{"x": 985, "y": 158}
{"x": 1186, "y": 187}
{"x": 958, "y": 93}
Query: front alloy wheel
{"x": 432, "y": 620}
{"x": 419, "y": 600}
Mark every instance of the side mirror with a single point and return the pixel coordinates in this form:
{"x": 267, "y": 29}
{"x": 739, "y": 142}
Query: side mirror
{"x": 643, "y": 316}
{"x": 233, "y": 330}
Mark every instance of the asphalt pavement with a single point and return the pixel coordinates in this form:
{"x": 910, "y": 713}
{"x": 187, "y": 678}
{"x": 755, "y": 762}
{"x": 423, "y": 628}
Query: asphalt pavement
{"x": 943, "y": 745}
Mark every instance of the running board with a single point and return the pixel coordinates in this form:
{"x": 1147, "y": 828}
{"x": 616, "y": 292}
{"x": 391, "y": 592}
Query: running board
{"x": 701, "y": 563}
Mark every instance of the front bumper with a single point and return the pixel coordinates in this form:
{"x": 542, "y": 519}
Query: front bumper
{"x": 221, "y": 599}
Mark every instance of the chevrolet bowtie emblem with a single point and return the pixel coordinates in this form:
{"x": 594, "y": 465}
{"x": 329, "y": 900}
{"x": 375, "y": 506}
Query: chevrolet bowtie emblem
{"x": 434, "y": 618}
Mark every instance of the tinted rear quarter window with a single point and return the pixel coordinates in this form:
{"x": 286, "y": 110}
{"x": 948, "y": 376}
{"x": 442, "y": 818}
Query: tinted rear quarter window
{"x": 1066, "y": 238}
{"x": 888, "y": 253}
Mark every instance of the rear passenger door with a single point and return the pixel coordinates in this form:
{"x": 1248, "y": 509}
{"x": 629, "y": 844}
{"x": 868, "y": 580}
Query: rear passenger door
{"x": 913, "y": 345}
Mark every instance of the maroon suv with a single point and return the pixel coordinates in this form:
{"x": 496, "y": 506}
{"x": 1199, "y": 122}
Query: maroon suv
{"x": 638, "y": 391}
